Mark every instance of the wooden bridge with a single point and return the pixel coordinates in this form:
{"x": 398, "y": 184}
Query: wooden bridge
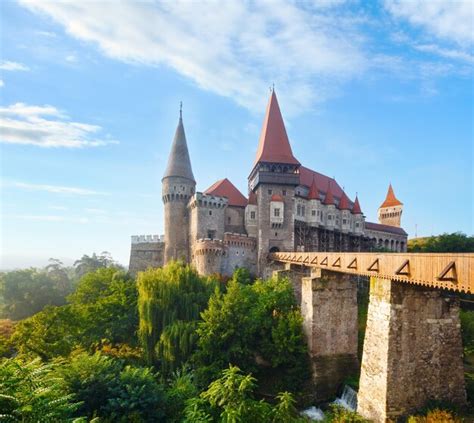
{"x": 412, "y": 350}
{"x": 438, "y": 270}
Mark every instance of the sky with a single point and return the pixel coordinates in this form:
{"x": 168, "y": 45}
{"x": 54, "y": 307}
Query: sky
{"x": 371, "y": 93}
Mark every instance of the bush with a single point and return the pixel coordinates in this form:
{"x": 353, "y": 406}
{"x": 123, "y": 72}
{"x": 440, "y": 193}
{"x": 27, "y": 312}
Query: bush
{"x": 435, "y": 416}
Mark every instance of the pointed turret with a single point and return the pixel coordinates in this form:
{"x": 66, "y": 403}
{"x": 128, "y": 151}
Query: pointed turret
{"x": 390, "y": 199}
{"x": 329, "y": 199}
{"x": 356, "y": 208}
{"x": 274, "y": 146}
{"x": 313, "y": 193}
{"x": 179, "y": 163}
{"x": 344, "y": 202}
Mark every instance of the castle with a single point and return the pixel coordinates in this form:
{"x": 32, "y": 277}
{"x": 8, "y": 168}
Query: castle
{"x": 289, "y": 208}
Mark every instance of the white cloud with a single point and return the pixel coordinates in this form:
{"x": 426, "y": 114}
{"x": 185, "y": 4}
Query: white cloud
{"x": 71, "y": 58}
{"x": 449, "y": 20}
{"x": 2, "y": 84}
{"x": 56, "y": 189}
{"x": 13, "y": 66}
{"x": 95, "y": 211}
{"x": 46, "y": 126}
{"x": 50, "y": 218}
{"x": 236, "y": 49}
{"x": 445, "y": 52}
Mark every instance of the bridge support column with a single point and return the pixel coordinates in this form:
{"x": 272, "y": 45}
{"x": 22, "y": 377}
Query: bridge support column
{"x": 329, "y": 308}
{"x": 295, "y": 274}
{"x": 412, "y": 350}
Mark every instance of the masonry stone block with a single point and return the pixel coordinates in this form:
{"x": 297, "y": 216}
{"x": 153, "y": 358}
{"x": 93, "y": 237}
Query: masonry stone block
{"x": 412, "y": 351}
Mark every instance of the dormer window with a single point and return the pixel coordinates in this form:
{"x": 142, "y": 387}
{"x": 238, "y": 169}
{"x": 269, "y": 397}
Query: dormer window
{"x": 276, "y": 212}
{"x": 252, "y": 215}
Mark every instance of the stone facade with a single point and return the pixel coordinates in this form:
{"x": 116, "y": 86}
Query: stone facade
{"x": 146, "y": 251}
{"x": 289, "y": 208}
{"x": 412, "y": 351}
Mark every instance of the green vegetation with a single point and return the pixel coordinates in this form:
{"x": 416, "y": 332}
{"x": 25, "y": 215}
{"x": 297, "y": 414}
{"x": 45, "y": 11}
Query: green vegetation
{"x": 171, "y": 346}
{"x": 457, "y": 242}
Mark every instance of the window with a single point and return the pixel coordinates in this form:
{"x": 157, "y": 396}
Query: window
{"x": 329, "y": 217}
{"x": 228, "y": 219}
{"x": 302, "y": 210}
{"x": 269, "y": 192}
{"x": 298, "y": 210}
{"x": 344, "y": 221}
{"x": 276, "y": 212}
{"x": 211, "y": 234}
{"x": 357, "y": 224}
{"x": 210, "y": 212}
{"x": 252, "y": 215}
{"x": 284, "y": 192}
{"x": 313, "y": 212}
{"x": 276, "y": 233}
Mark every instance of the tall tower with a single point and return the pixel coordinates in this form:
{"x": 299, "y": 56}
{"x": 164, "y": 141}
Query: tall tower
{"x": 390, "y": 212}
{"x": 178, "y": 186}
{"x": 273, "y": 180}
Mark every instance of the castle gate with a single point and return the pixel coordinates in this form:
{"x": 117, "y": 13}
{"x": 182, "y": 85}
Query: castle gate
{"x": 412, "y": 350}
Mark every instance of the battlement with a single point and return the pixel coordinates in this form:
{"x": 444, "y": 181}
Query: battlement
{"x": 239, "y": 240}
{"x": 207, "y": 245}
{"x": 205, "y": 200}
{"x": 140, "y": 239}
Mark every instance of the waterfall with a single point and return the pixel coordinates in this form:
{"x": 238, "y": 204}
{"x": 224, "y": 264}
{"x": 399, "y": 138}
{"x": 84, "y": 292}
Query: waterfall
{"x": 348, "y": 399}
{"x": 313, "y": 413}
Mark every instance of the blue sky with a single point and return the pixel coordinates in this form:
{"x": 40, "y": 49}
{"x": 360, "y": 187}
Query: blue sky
{"x": 371, "y": 93}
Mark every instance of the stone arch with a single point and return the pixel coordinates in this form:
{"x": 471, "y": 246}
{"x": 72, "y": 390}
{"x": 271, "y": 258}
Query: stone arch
{"x": 274, "y": 250}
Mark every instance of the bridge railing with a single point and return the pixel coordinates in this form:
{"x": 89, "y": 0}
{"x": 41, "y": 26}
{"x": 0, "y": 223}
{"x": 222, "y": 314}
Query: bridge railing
{"x": 453, "y": 271}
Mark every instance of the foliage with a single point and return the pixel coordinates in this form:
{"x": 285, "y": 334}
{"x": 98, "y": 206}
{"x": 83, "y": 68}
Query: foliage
{"x": 181, "y": 388}
{"x": 102, "y": 310}
{"x": 87, "y": 264}
{"x": 231, "y": 399}
{"x": 107, "y": 301}
{"x": 31, "y": 392}
{"x": 435, "y": 416}
{"x": 174, "y": 293}
{"x": 339, "y": 414}
{"x": 54, "y": 331}
{"x": 258, "y": 328}
{"x": 26, "y": 292}
{"x": 108, "y": 389}
{"x": 456, "y": 242}
{"x": 467, "y": 328}
{"x": 242, "y": 275}
{"x": 6, "y": 331}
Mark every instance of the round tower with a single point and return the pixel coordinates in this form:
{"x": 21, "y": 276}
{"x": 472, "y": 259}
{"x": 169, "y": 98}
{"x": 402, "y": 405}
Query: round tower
{"x": 178, "y": 186}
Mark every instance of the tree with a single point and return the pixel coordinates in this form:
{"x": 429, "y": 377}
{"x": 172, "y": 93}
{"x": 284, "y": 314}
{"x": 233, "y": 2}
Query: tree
{"x": 456, "y": 242}
{"x": 26, "y": 292}
{"x": 88, "y": 264}
{"x": 108, "y": 389}
{"x": 168, "y": 299}
{"x": 31, "y": 392}
{"x": 258, "y": 328}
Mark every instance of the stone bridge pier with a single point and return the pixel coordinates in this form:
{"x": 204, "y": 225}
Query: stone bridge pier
{"x": 329, "y": 309}
{"x": 412, "y": 350}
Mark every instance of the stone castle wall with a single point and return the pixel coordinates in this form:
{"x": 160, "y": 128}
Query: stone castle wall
{"x": 241, "y": 251}
{"x": 207, "y": 214}
{"x": 146, "y": 252}
{"x": 235, "y": 220}
{"x": 207, "y": 256}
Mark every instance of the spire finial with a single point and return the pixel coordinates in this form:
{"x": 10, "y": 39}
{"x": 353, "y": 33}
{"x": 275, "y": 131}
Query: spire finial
{"x": 273, "y": 87}
{"x": 181, "y": 110}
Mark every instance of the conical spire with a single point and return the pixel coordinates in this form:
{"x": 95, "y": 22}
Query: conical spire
{"x": 329, "y": 200}
{"x": 391, "y": 200}
{"x": 313, "y": 193}
{"x": 356, "y": 209}
{"x": 179, "y": 163}
{"x": 344, "y": 203}
{"x": 274, "y": 146}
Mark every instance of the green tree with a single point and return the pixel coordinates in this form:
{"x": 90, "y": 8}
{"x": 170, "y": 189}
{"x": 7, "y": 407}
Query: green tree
{"x": 26, "y": 292}
{"x": 168, "y": 298}
{"x": 92, "y": 263}
{"x": 30, "y": 392}
{"x": 456, "y": 242}
{"x": 108, "y": 389}
{"x": 258, "y": 328}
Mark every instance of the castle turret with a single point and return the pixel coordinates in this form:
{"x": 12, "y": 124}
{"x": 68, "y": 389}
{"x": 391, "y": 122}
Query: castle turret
{"x": 390, "y": 211}
{"x": 178, "y": 186}
{"x": 275, "y": 173}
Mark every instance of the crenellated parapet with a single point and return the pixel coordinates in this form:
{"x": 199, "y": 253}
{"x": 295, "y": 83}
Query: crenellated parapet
{"x": 207, "y": 255}
{"x": 205, "y": 200}
{"x": 138, "y": 239}
{"x": 147, "y": 251}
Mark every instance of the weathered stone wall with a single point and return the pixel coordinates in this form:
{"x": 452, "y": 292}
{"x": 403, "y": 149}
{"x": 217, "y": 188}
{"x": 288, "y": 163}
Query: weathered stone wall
{"x": 329, "y": 309}
{"x": 412, "y": 350}
{"x": 176, "y": 192}
{"x": 271, "y": 236}
{"x": 391, "y": 216}
{"x": 235, "y": 220}
{"x": 208, "y": 255}
{"x": 295, "y": 274}
{"x": 144, "y": 255}
{"x": 241, "y": 251}
{"x": 387, "y": 240}
{"x": 206, "y": 214}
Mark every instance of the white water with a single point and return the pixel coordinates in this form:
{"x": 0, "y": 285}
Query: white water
{"x": 313, "y": 413}
{"x": 348, "y": 399}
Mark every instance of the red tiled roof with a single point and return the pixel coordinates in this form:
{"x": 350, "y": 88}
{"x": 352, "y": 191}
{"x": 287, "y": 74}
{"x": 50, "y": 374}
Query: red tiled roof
{"x": 274, "y": 146}
{"x": 276, "y": 197}
{"x": 384, "y": 228}
{"x": 356, "y": 209}
{"x": 252, "y": 198}
{"x": 329, "y": 199}
{"x": 391, "y": 200}
{"x": 344, "y": 202}
{"x": 313, "y": 193}
{"x": 225, "y": 188}
{"x": 322, "y": 181}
